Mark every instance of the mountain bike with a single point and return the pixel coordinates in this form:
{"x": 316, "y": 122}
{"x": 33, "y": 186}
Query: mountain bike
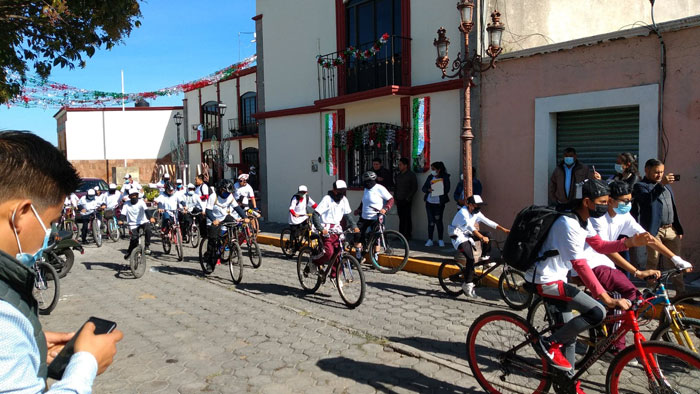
{"x": 343, "y": 270}
{"x": 226, "y": 250}
{"x": 505, "y": 356}
{"x": 306, "y": 236}
{"x": 47, "y": 286}
{"x": 111, "y": 225}
{"x": 245, "y": 235}
{"x": 137, "y": 259}
{"x": 191, "y": 236}
{"x": 387, "y": 249}
{"x": 511, "y": 282}
{"x": 172, "y": 235}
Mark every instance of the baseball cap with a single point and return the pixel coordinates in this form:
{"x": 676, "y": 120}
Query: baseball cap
{"x": 190, "y": 186}
{"x": 340, "y": 184}
{"x": 166, "y": 176}
{"x": 127, "y": 176}
{"x": 592, "y": 188}
{"x": 475, "y": 199}
{"x": 178, "y": 181}
{"x": 91, "y": 192}
{"x": 112, "y": 186}
{"x": 243, "y": 176}
{"x": 303, "y": 188}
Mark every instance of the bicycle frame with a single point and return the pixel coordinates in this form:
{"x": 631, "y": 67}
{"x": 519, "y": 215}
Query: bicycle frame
{"x": 338, "y": 253}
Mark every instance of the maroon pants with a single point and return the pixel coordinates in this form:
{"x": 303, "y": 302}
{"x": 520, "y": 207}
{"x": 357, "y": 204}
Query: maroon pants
{"x": 328, "y": 248}
{"x": 615, "y": 280}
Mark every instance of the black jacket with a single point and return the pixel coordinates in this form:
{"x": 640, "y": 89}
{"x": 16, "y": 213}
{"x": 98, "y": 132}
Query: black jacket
{"x": 647, "y": 206}
{"x": 444, "y": 199}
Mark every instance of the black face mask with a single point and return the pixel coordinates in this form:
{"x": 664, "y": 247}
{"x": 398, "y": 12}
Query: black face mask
{"x": 134, "y": 200}
{"x": 599, "y": 211}
{"x": 476, "y": 210}
{"x": 337, "y": 195}
{"x": 370, "y": 184}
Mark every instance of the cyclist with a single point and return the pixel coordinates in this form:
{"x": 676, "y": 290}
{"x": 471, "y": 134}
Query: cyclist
{"x": 192, "y": 208}
{"x": 333, "y": 208}
{"x": 134, "y": 213}
{"x": 111, "y": 198}
{"x": 464, "y": 233}
{"x": 376, "y": 200}
{"x": 562, "y": 250}
{"x": 161, "y": 184}
{"x": 180, "y": 188}
{"x": 221, "y": 207}
{"x": 201, "y": 189}
{"x": 298, "y": 207}
{"x": 88, "y": 205}
{"x": 169, "y": 204}
{"x": 244, "y": 194}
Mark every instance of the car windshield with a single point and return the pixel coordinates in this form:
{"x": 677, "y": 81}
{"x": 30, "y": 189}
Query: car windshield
{"x": 88, "y": 184}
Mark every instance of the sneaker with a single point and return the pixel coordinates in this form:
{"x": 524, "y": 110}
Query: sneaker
{"x": 429, "y": 243}
{"x": 375, "y": 256}
{"x": 579, "y": 390}
{"x": 468, "y": 289}
{"x": 218, "y": 261}
{"x": 556, "y": 358}
{"x": 358, "y": 254}
{"x": 311, "y": 269}
{"x": 126, "y": 256}
{"x": 147, "y": 251}
{"x": 441, "y": 243}
{"x": 485, "y": 257}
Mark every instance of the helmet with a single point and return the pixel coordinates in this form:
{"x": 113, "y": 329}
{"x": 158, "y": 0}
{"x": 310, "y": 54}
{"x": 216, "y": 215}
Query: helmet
{"x": 369, "y": 176}
{"x": 224, "y": 185}
{"x": 243, "y": 177}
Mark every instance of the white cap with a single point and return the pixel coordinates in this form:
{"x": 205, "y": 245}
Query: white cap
{"x": 243, "y": 176}
{"x": 475, "y": 199}
{"x": 91, "y": 192}
{"x": 190, "y": 186}
{"x": 166, "y": 176}
{"x": 178, "y": 181}
{"x": 340, "y": 184}
{"x": 127, "y": 176}
{"x": 112, "y": 186}
{"x": 96, "y": 188}
{"x": 303, "y": 188}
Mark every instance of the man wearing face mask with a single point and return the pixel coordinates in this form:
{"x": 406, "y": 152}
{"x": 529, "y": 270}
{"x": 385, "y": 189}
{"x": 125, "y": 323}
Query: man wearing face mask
{"x": 88, "y": 206}
{"x": 566, "y": 175}
{"x": 376, "y": 200}
{"x": 221, "y": 207}
{"x": 169, "y": 203}
{"x": 27, "y": 210}
{"x": 298, "y": 207}
{"x": 333, "y": 208}
{"x": 192, "y": 208}
{"x": 134, "y": 212}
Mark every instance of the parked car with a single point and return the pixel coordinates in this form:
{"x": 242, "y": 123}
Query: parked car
{"x": 89, "y": 183}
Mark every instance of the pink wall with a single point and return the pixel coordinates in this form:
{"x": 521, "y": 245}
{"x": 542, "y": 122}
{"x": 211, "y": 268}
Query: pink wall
{"x": 508, "y": 115}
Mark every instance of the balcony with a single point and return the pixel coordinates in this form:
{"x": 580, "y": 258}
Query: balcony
{"x": 247, "y": 129}
{"x": 348, "y": 75}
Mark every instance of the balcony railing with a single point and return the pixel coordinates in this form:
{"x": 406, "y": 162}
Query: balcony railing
{"x": 358, "y": 75}
{"x": 237, "y": 130}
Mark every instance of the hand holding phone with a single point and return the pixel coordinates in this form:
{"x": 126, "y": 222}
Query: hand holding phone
{"x": 676, "y": 177}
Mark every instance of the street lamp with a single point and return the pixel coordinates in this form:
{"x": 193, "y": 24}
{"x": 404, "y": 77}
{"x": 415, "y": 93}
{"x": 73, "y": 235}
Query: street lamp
{"x": 465, "y": 68}
{"x": 178, "y": 122}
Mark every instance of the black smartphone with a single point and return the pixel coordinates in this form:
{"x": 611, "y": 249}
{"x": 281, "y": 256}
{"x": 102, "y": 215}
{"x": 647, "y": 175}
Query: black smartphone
{"x": 59, "y": 364}
{"x": 676, "y": 177}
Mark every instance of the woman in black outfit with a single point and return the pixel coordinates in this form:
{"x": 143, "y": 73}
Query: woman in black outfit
{"x": 435, "y": 204}
{"x": 626, "y": 169}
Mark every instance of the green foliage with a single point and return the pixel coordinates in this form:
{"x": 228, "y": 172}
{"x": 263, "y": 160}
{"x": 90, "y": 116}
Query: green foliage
{"x": 45, "y": 34}
{"x": 150, "y": 194}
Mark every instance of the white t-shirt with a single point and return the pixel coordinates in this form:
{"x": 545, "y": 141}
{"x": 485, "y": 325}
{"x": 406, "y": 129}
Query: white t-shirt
{"x": 135, "y": 213}
{"x": 373, "y": 200}
{"x": 610, "y": 229}
{"x": 569, "y": 238}
{"x": 192, "y": 201}
{"x": 89, "y": 205}
{"x": 243, "y": 193}
{"x": 74, "y": 200}
{"x": 202, "y": 190}
{"x": 112, "y": 200}
{"x": 299, "y": 207}
{"x": 464, "y": 223}
{"x": 221, "y": 207}
{"x": 170, "y": 203}
{"x": 332, "y": 212}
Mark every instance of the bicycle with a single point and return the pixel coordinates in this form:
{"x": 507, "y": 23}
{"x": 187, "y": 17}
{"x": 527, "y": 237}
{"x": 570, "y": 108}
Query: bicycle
{"x": 47, "y": 286}
{"x": 137, "y": 259}
{"x": 511, "y": 282}
{"x": 192, "y": 235}
{"x": 343, "y": 269}
{"x": 94, "y": 227}
{"x": 110, "y": 225}
{"x": 505, "y": 356}
{"x": 67, "y": 222}
{"x": 226, "y": 250}
{"x": 306, "y": 236}
{"x": 688, "y": 304}
{"x": 246, "y": 235}
{"x": 388, "y": 249}
{"x": 172, "y": 236}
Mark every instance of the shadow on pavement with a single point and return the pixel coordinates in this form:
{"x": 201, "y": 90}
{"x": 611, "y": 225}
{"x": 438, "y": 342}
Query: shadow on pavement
{"x": 121, "y": 271}
{"x": 383, "y": 377}
{"x": 170, "y": 270}
{"x": 407, "y": 291}
{"x": 271, "y": 288}
{"x": 455, "y": 349}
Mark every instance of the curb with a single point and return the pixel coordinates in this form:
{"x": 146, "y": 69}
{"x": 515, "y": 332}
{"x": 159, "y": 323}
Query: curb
{"x": 418, "y": 266}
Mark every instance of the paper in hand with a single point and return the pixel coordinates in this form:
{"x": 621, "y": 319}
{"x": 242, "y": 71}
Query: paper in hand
{"x": 438, "y": 188}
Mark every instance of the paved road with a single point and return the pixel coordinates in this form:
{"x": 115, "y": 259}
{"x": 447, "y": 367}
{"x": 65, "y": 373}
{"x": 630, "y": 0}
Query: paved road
{"x": 189, "y": 334}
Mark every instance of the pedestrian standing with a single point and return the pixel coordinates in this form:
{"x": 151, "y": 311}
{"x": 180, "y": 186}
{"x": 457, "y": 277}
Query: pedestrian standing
{"x": 626, "y": 170}
{"x": 566, "y": 175}
{"x": 384, "y": 176}
{"x": 459, "y": 190}
{"x": 406, "y": 187}
{"x": 436, "y": 189}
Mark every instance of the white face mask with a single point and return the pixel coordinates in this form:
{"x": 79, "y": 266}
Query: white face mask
{"x": 433, "y": 173}
{"x": 27, "y": 259}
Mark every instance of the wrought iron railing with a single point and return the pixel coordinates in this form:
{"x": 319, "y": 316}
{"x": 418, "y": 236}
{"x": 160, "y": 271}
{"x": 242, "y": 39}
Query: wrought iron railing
{"x": 242, "y": 130}
{"x": 359, "y": 74}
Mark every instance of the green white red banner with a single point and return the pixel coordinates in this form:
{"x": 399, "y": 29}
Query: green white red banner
{"x": 331, "y": 127}
{"x": 421, "y": 134}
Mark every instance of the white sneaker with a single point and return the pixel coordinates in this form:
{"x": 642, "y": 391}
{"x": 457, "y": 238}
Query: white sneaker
{"x": 484, "y": 258}
{"x": 429, "y": 242}
{"x": 468, "y": 289}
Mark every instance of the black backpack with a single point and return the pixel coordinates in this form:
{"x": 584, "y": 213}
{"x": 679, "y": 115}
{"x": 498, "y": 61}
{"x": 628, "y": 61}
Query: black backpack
{"x": 529, "y": 230}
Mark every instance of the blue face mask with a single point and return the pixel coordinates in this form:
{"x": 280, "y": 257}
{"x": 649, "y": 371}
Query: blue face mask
{"x": 568, "y": 161}
{"x": 623, "y": 208}
{"x": 225, "y": 194}
{"x": 619, "y": 169}
{"x": 27, "y": 259}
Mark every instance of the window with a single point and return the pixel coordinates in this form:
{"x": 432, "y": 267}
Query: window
{"x": 366, "y": 21}
{"x": 210, "y": 120}
{"x": 248, "y": 107}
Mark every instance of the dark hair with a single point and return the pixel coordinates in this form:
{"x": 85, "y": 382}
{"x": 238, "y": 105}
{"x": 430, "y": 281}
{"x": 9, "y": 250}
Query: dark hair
{"x": 377, "y": 160}
{"x": 440, "y": 166}
{"x": 405, "y": 161}
{"x": 631, "y": 163}
{"x": 32, "y": 168}
{"x": 200, "y": 176}
{"x": 569, "y": 150}
{"x": 651, "y": 163}
{"x": 619, "y": 188}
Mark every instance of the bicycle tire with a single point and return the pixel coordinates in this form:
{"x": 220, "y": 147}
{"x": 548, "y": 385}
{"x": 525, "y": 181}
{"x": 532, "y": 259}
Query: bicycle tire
{"x": 167, "y": 246}
{"x": 310, "y": 279}
{"x": 178, "y": 245}
{"x": 287, "y": 244}
{"x": 393, "y": 252}
{"x": 47, "y": 292}
{"x": 501, "y": 369}
{"x": 235, "y": 263}
{"x": 63, "y": 262}
{"x": 194, "y": 236}
{"x": 254, "y": 253}
{"x": 451, "y": 277}
{"x": 113, "y": 230}
{"x": 204, "y": 258}
{"x": 69, "y": 225}
{"x": 348, "y": 274}
{"x": 679, "y": 369}
{"x": 691, "y": 327}
{"x": 137, "y": 262}
{"x": 96, "y": 233}
{"x": 585, "y": 345}
{"x": 688, "y": 304}
{"x": 510, "y": 285}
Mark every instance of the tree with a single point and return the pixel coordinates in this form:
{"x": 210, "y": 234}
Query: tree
{"x": 47, "y": 33}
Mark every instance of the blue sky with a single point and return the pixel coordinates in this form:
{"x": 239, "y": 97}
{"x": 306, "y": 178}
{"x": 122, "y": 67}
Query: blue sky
{"x": 178, "y": 41}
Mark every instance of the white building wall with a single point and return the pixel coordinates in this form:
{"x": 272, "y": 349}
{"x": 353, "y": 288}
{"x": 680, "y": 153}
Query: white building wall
{"x": 248, "y": 83}
{"x": 227, "y": 94}
{"x": 84, "y": 138}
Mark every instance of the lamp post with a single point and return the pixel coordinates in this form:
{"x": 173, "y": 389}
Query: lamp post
{"x": 465, "y": 67}
{"x": 220, "y": 145}
{"x": 178, "y": 122}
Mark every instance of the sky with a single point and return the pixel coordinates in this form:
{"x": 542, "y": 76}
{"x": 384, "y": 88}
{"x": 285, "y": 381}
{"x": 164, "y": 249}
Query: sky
{"x": 178, "y": 41}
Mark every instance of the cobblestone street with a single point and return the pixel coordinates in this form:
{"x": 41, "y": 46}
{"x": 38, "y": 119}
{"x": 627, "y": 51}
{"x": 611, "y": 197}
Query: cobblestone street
{"x": 189, "y": 334}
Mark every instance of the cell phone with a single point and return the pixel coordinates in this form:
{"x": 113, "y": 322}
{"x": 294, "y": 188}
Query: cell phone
{"x": 59, "y": 364}
{"x": 676, "y": 177}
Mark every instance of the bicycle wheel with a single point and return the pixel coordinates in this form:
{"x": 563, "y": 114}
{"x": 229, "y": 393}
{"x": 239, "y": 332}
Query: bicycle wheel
{"x": 510, "y": 285}
{"x": 205, "y": 259}
{"x": 307, "y": 271}
{"x": 500, "y": 357}
{"x": 676, "y": 370}
{"x": 287, "y": 243}
{"x": 69, "y": 225}
{"x": 451, "y": 277}
{"x": 389, "y": 252}
{"x": 194, "y": 236}
{"x": 137, "y": 262}
{"x": 96, "y": 233}
{"x": 351, "y": 281}
{"x": 178, "y": 244}
{"x": 254, "y": 253}
{"x": 688, "y": 335}
{"x": 235, "y": 262}
{"x": 113, "y": 230}
{"x": 585, "y": 342}
{"x": 167, "y": 246}
{"x": 63, "y": 262}
{"x": 47, "y": 288}
{"x": 688, "y": 305}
